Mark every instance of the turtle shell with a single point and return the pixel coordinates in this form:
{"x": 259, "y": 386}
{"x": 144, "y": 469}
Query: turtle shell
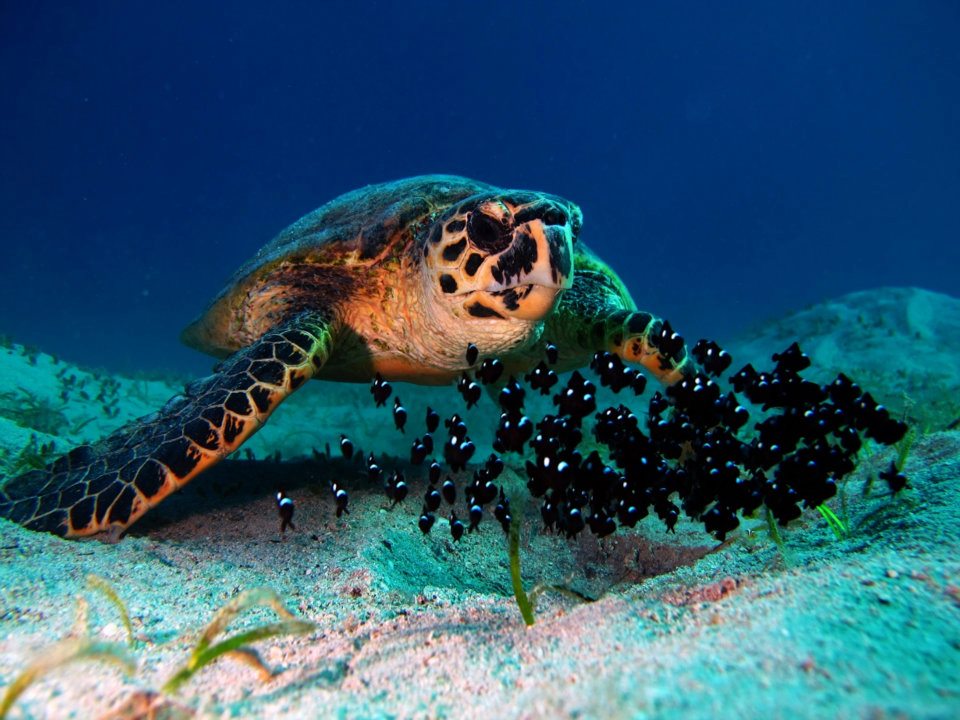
{"x": 357, "y": 228}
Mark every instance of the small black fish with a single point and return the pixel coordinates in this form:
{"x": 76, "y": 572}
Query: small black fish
{"x": 481, "y": 489}
{"x": 493, "y": 465}
{"x": 843, "y": 391}
{"x": 395, "y": 487}
{"x": 399, "y": 414}
{"x": 380, "y": 389}
{"x": 895, "y": 479}
{"x": 433, "y": 420}
{"x": 426, "y": 522}
{"x": 720, "y": 520}
{"x": 542, "y": 378}
{"x": 578, "y": 399}
{"x": 489, "y": 371}
{"x": 745, "y": 379}
{"x": 629, "y": 515}
{"x": 615, "y": 375}
{"x": 472, "y": 394}
{"x": 457, "y": 453}
{"x": 502, "y": 512}
{"x": 346, "y": 447}
{"x": 601, "y": 524}
{"x": 885, "y": 429}
{"x": 670, "y": 513}
{"x": 374, "y": 471}
{"x": 715, "y": 360}
{"x": 512, "y": 395}
{"x": 456, "y": 527}
{"x": 418, "y": 452}
{"x": 658, "y": 403}
{"x": 791, "y": 360}
{"x": 431, "y": 500}
{"x": 340, "y": 498}
{"x": 472, "y": 354}
{"x": 513, "y": 432}
{"x": 449, "y": 491}
{"x": 548, "y": 512}
{"x": 285, "y": 507}
{"x": 455, "y": 425}
{"x": 571, "y": 522}
{"x": 552, "y": 353}
{"x": 476, "y": 515}
{"x": 469, "y": 390}
{"x": 669, "y": 342}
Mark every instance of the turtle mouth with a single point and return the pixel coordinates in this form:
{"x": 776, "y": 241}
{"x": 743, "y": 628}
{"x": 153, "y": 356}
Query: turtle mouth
{"x": 520, "y": 294}
{"x": 540, "y": 276}
{"x": 528, "y": 301}
{"x": 519, "y": 289}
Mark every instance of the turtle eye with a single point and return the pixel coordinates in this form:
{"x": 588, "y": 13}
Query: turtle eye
{"x": 554, "y": 216}
{"x": 487, "y": 233}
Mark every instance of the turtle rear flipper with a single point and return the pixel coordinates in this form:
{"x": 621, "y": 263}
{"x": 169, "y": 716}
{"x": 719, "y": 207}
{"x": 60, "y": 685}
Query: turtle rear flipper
{"x": 110, "y": 484}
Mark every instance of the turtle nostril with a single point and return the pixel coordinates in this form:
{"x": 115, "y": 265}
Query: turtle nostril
{"x": 547, "y": 213}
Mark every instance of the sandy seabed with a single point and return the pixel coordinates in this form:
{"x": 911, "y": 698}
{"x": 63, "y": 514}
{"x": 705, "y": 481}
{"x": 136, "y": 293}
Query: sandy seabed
{"x": 641, "y": 624}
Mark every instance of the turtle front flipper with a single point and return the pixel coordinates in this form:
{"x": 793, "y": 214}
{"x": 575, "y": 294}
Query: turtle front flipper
{"x": 639, "y": 337}
{"x": 107, "y": 486}
{"x": 597, "y": 313}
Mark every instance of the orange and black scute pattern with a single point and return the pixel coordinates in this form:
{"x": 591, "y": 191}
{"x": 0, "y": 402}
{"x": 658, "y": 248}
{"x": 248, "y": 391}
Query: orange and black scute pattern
{"x": 109, "y": 485}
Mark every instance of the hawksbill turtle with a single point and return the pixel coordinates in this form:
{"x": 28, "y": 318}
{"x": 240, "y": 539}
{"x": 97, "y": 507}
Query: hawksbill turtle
{"x": 396, "y": 279}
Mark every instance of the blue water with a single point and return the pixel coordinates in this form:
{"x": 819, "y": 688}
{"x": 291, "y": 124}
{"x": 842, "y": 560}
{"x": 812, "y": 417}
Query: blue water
{"x": 734, "y": 160}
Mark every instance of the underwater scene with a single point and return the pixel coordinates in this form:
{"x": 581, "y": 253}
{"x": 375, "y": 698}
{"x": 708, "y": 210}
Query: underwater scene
{"x": 632, "y": 333}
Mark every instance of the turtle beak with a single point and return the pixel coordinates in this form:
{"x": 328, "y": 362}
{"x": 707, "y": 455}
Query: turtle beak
{"x": 540, "y": 256}
{"x": 538, "y": 302}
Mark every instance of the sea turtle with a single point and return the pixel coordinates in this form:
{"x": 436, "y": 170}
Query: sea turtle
{"x": 396, "y": 279}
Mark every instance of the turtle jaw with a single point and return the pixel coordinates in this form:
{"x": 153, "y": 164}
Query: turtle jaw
{"x": 528, "y": 302}
{"x": 534, "y": 302}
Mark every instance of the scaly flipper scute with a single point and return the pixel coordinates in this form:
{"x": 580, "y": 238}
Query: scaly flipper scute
{"x": 107, "y": 486}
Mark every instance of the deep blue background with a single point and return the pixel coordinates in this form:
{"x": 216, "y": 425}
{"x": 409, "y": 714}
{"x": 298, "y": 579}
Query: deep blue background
{"x": 734, "y": 161}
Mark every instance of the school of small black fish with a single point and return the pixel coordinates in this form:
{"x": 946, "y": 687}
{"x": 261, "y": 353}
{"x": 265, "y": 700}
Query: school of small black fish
{"x": 684, "y": 456}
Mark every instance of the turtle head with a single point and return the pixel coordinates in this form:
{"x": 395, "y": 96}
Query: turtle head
{"x": 505, "y": 255}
